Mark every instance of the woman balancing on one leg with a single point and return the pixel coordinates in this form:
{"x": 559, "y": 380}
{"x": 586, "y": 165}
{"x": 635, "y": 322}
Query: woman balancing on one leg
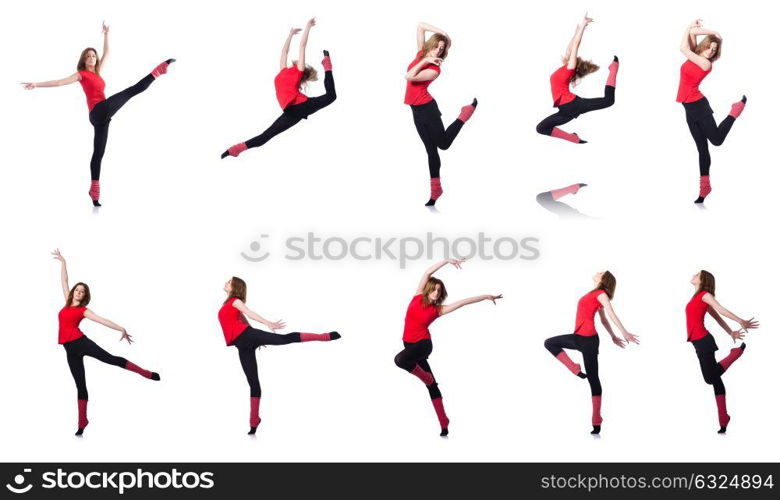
{"x": 425, "y": 68}
{"x": 571, "y": 106}
{"x": 296, "y": 106}
{"x": 698, "y": 112}
{"x": 101, "y": 110}
{"x": 425, "y": 307}
{"x": 585, "y": 338}
{"x": 77, "y": 345}
{"x": 702, "y": 302}
{"x": 232, "y": 317}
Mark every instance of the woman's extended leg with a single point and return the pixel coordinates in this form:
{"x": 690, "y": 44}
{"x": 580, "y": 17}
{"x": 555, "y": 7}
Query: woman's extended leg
{"x": 414, "y": 359}
{"x": 712, "y": 371}
{"x": 246, "y": 355}
{"x": 95, "y": 351}
{"x": 76, "y": 364}
{"x": 281, "y": 124}
{"x": 591, "y": 360}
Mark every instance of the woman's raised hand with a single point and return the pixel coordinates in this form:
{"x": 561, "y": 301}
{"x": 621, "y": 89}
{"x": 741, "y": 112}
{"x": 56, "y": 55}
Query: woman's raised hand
{"x": 105, "y": 28}
{"x": 586, "y": 20}
{"x": 311, "y": 22}
{"x": 294, "y": 31}
{"x": 494, "y": 298}
{"x": 456, "y": 262}
{"x": 698, "y": 23}
{"x": 28, "y": 85}
{"x": 126, "y": 336}
{"x": 749, "y": 324}
{"x": 57, "y": 255}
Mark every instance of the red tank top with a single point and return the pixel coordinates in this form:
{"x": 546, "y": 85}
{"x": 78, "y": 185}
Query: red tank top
{"x": 232, "y": 321}
{"x": 694, "y": 317}
{"x": 288, "y": 87}
{"x": 70, "y": 317}
{"x": 418, "y": 318}
{"x": 586, "y": 311}
{"x": 691, "y": 76}
{"x": 93, "y": 86}
{"x": 559, "y": 84}
{"x": 417, "y": 92}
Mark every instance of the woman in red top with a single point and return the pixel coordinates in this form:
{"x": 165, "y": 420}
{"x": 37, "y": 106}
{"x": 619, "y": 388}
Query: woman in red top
{"x": 233, "y": 320}
{"x": 422, "y": 71}
{"x": 426, "y": 306}
{"x": 585, "y": 338}
{"x": 698, "y": 112}
{"x": 295, "y": 105}
{"x": 702, "y": 302}
{"x": 101, "y": 110}
{"x": 77, "y": 345}
{"x": 571, "y": 106}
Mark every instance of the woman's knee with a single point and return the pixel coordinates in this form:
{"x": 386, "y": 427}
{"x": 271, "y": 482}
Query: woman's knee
{"x": 543, "y": 129}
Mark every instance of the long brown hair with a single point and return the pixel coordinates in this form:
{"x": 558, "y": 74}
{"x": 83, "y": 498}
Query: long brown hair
{"x": 583, "y": 69}
{"x": 706, "y": 283}
{"x": 237, "y": 289}
{"x": 429, "y": 287}
{"x": 82, "y": 65}
{"x": 433, "y": 42}
{"x": 608, "y": 284}
{"x": 309, "y": 75}
{"x": 87, "y": 295}
{"x": 705, "y": 44}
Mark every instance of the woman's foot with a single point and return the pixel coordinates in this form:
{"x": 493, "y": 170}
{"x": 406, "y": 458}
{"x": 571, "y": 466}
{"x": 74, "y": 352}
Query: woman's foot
{"x": 326, "y": 63}
{"x": 80, "y": 431}
{"x": 467, "y": 111}
{"x": 155, "y": 376}
{"x": 162, "y": 68}
{"x": 235, "y": 150}
{"x": 252, "y": 431}
{"x": 436, "y": 191}
{"x": 444, "y": 432}
{"x": 723, "y": 427}
{"x": 94, "y": 193}
{"x": 738, "y": 107}
{"x": 335, "y": 335}
{"x": 704, "y": 188}
{"x": 596, "y": 429}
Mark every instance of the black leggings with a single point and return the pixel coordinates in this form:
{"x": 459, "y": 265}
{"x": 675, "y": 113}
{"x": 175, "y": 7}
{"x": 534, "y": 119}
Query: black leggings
{"x": 249, "y": 340}
{"x": 293, "y": 114}
{"x": 427, "y": 120}
{"x": 588, "y": 346}
{"x": 416, "y": 353}
{"x": 571, "y": 110}
{"x": 100, "y": 118}
{"x": 710, "y": 369}
{"x": 702, "y": 125}
{"x": 76, "y": 350}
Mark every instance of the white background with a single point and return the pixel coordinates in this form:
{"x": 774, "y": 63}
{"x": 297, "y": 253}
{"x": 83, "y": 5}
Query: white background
{"x": 176, "y": 218}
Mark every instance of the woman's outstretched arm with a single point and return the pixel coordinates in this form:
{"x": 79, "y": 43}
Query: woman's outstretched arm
{"x": 107, "y": 322}
{"x": 574, "y": 44}
{"x": 604, "y": 300}
{"x": 75, "y": 77}
{"x": 106, "y": 47}
{"x": 304, "y": 41}
{"x": 286, "y": 48}
{"x": 745, "y": 324}
{"x": 429, "y": 272}
{"x": 471, "y": 300}
{"x": 239, "y": 304}
{"x": 63, "y": 273}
